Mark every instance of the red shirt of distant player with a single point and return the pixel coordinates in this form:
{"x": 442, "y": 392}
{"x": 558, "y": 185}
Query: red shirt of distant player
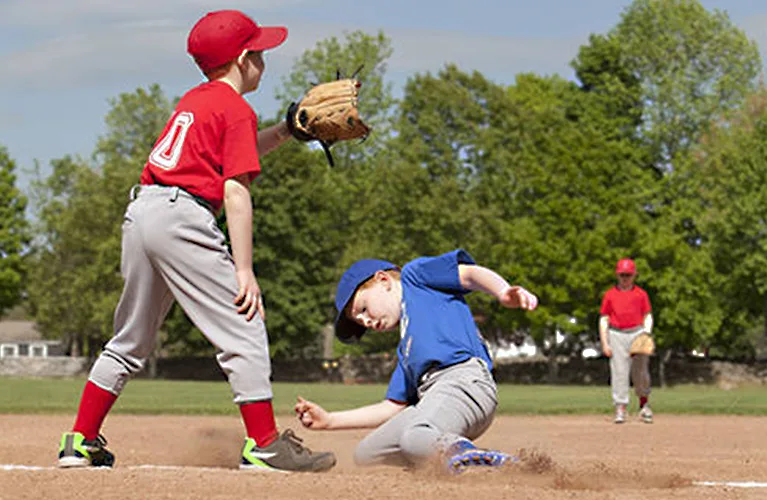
{"x": 625, "y": 308}
{"x": 211, "y": 136}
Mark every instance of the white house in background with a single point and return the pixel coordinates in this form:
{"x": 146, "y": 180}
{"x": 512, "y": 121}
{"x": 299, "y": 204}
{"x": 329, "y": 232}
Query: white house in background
{"x": 591, "y": 352}
{"x": 21, "y": 339}
{"x": 507, "y": 350}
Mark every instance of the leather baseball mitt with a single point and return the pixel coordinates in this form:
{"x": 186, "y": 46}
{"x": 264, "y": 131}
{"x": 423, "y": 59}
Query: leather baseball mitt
{"x": 328, "y": 113}
{"x": 642, "y": 344}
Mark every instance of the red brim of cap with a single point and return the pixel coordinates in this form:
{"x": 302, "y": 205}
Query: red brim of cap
{"x": 269, "y": 38}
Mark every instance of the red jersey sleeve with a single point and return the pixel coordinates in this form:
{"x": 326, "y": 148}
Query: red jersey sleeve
{"x": 240, "y": 149}
{"x": 646, "y": 307}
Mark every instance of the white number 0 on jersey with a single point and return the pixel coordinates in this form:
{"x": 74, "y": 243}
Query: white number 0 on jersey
{"x": 168, "y": 150}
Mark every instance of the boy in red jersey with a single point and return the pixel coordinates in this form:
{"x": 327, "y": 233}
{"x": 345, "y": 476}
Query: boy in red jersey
{"x": 172, "y": 249}
{"x": 626, "y": 313}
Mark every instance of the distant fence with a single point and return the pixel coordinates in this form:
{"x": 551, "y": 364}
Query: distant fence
{"x": 377, "y": 369}
{"x": 55, "y": 366}
{"x": 574, "y": 371}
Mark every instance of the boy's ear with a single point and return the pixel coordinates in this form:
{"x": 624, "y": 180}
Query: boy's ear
{"x": 241, "y": 57}
{"x": 383, "y": 277}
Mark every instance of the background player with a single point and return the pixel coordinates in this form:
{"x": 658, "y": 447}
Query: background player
{"x": 205, "y": 158}
{"x": 626, "y": 313}
{"x": 441, "y": 393}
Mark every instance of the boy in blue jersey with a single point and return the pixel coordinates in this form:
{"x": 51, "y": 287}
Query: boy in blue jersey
{"x": 441, "y": 394}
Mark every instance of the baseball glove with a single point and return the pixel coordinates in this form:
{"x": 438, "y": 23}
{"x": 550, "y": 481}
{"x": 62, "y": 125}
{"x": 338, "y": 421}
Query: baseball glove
{"x": 328, "y": 113}
{"x": 642, "y": 344}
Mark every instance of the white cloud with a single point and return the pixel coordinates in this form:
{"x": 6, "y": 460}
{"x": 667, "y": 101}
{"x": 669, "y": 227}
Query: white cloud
{"x": 97, "y": 56}
{"x": 154, "y": 50}
{"x": 90, "y": 42}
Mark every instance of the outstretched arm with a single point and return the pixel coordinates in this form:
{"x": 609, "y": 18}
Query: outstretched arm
{"x": 273, "y": 137}
{"x": 313, "y": 416}
{"x": 482, "y": 279}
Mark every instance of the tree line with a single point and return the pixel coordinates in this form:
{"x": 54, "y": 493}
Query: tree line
{"x": 656, "y": 150}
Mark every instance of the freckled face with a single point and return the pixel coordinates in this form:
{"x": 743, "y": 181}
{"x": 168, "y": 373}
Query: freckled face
{"x": 377, "y": 307}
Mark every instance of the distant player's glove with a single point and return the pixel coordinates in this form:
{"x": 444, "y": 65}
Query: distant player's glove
{"x": 328, "y": 113}
{"x": 642, "y": 344}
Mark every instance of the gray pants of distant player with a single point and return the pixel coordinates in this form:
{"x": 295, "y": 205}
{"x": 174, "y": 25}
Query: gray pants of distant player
{"x": 173, "y": 249}
{"x": 623, "y": 366}
{"x": 458, "y": 401}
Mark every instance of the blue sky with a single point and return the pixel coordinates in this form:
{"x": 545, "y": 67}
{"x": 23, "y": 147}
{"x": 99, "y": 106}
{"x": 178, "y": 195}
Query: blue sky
{"x": 63, "y": 60}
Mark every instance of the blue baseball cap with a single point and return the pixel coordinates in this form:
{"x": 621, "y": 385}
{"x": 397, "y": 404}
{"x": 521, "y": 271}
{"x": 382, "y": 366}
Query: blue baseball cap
{"x": 347, "y": 330}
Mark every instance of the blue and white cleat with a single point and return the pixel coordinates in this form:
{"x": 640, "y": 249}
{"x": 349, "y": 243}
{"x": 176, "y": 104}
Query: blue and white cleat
{"x": 463, "y": 454}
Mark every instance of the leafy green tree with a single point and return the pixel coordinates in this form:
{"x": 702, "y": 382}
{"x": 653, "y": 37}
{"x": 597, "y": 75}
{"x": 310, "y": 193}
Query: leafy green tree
{"x": 75, "y": 281}
{"x": 693, "y": 65}
{"x": 670, "y": 68}
{"x": 729, "y": 175}
{"x": 683, "y": 284}
{"x": 14, "y": 234}
{"x": 419, "y": 202}
{"x": 296, "y": 247}
{"x": 564, "y": 198}
{"x": 615, "y": 90}
{"x": 675, "y": 269}
{"x": 58, "y": 296}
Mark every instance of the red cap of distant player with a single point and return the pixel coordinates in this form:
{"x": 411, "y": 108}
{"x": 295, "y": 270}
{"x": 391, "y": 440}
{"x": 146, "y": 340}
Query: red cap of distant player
{"x": 221, "y": 36}
{"x": 625, "y": 266}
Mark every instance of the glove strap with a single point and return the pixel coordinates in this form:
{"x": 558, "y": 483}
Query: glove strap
{"x": 328, "y": 154}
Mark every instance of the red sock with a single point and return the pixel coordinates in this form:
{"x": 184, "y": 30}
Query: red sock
{"x": 258, "y": 417}
{"x": 642, "y": 401}
{"x": 94, "y": 406}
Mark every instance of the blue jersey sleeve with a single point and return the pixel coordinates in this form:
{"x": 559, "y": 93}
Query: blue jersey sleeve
{"x": 440, "y": 272}
{"x": 398, "y": 390}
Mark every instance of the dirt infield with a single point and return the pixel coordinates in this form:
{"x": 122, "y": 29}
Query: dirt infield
{"x": 583, "y": 457}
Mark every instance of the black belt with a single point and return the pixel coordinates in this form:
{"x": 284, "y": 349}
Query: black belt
{"x": 202, "y": 201}
{"x": 199, "y": 199}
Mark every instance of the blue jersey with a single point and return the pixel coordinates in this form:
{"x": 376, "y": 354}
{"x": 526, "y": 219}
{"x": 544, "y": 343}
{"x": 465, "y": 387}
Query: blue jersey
{"x": 437, "y": 329}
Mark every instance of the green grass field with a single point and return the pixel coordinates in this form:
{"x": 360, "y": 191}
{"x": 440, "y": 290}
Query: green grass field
{"x": 214, "y": 398}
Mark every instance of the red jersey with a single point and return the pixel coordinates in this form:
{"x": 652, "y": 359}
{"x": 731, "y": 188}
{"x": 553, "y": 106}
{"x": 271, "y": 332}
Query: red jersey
{"x": 625, "y": 308}
{"x": 211, "y": 137}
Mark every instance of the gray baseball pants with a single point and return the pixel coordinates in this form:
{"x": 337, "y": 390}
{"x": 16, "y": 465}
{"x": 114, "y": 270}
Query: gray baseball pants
{"x": 623, "y": 366}
{"x": 173, "y": 249}
{"x": 458, "y": 401}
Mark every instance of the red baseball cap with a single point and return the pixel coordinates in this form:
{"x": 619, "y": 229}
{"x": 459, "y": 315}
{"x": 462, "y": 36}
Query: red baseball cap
{"x": 221, "y": 36}
{"x": 626, "y": 266}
